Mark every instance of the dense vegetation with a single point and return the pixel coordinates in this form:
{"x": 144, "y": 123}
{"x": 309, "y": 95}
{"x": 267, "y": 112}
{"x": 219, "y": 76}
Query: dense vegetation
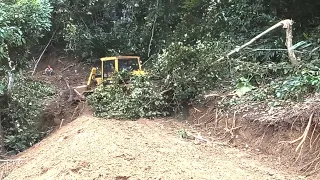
{"x": 179, "y": 41}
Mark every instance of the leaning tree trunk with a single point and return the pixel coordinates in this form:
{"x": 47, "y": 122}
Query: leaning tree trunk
{"x": 286, "y": 24}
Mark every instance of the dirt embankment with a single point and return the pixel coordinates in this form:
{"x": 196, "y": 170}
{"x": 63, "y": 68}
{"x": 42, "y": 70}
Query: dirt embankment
{"x": 92, "y": 148}
{"x": 68, "y": 72}
{"x": 288, "y": 135}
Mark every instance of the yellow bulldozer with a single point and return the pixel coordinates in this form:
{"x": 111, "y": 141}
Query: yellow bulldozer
{"x": 104, "y": 74}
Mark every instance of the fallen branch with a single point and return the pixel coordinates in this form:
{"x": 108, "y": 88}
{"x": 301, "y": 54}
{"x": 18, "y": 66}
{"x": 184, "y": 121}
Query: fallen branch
{"x": 35, "y": 66}
{"x": 287, "y": 24}
{"x": 67, "y": 67}
{"x": 218, "y": 95}
{"x": 62, "y": 120}
{"x": 11, "y": 160}
{"x": 70, "y": 90}
{"x": 74, "y": 112}
{"x": 197, "y": 137}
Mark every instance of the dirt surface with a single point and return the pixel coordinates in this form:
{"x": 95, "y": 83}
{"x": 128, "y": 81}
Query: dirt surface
{"x": 69, "y": 72}
{"x": 91, "y": 148}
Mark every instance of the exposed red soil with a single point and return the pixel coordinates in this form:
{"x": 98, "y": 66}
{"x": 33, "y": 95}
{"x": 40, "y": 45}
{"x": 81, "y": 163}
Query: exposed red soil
{"x": 92, "y": 148}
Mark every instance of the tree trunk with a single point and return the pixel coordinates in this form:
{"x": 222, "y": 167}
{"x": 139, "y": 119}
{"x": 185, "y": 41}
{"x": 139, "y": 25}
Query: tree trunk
{"x": 185, "y": 110}
{"x": 292, "y": 56}
{"x": 2, "y": 148}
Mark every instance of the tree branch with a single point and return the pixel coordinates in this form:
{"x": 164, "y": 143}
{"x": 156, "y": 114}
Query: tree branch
{"x": 286, "y": 24}
{"x": 44, "y": 50}
{"x": 152, "y": 32}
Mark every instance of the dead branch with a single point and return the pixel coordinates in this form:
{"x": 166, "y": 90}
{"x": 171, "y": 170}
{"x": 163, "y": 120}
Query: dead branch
{"x": 287, "y": 24}
{"x": 205, "y": 114}
{"x": 218, "y": 95}
{"x": 74, "y": 112}
{"x": 197, "y": 137}
{"x": 35, "y": 66}
{"x": 233, "y": 126}
{"x": 11, "y": 160}
{"x": 70, "y": 90}
{"x": 62, "y": 120}
{"x": 71, "y": 65}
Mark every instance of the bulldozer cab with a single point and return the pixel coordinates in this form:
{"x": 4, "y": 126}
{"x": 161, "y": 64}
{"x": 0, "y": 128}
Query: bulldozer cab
{"x": 110, "y": 65}
{"x": 104, "y": 74}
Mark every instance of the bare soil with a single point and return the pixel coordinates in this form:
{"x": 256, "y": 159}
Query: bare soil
{"x": 92, "y": 148}
{"x": 69, "y": 72}
{"x": 279, "y": 141}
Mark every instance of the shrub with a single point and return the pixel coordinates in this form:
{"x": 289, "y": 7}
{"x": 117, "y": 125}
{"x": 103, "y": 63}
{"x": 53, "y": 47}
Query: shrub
{"x": 20, "y": 116}
{"x": 138, "y": 99}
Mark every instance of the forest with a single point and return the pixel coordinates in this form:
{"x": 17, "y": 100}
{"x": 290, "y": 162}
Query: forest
{"x": 180, "y": 42}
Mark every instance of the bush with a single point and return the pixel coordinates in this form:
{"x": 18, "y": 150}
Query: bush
{"x": 138, "y": 99}
{"x": 20, "y": 116}
{"x": 298, "y": 85}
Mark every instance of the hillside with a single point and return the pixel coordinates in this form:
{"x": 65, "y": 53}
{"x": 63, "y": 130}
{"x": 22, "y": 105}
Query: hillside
{"x": 243, "y": 75}
{"x": 91, "y": 148}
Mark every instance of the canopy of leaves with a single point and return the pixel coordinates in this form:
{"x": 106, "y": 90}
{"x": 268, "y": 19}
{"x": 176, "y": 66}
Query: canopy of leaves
{"x": 21, "y": 24}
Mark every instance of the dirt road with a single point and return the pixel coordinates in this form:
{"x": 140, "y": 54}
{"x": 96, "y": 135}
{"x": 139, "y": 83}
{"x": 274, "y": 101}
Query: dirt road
{"x": 91, "y": 148}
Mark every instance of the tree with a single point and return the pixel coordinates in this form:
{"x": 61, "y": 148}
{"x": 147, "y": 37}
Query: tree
{"x": 22, "y": 23}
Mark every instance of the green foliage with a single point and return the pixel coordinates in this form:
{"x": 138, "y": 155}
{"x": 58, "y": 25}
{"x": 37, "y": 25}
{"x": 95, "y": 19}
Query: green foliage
{"x": 128, "y": 101}
{"x": 295, "y": 87}
{"x": 187, "y": 71}
{"x": 177, "y": 77}
{"x": 2, "y": 88}
{"x": 21, "y": 24}
{"x": 243, "y": 87}
{"x": 21, "y": 116}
